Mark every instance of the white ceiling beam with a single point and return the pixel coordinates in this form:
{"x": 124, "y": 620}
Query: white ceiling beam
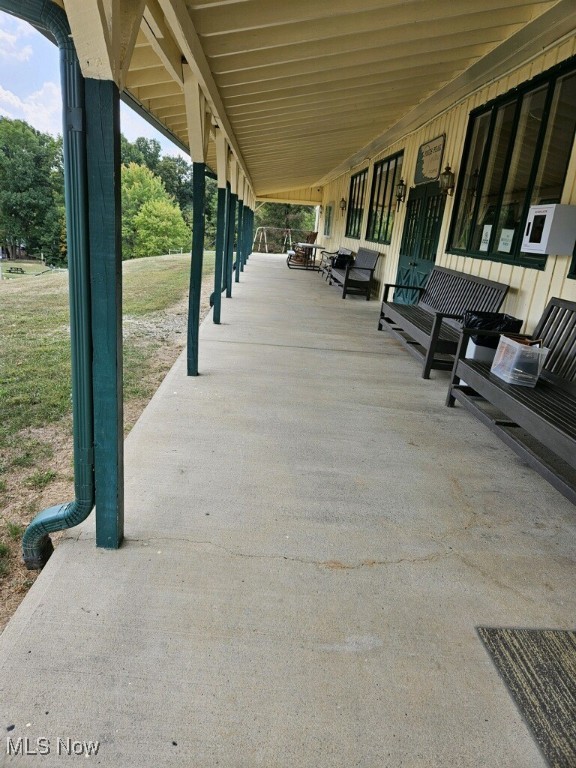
{"x": 369, "y": 57}
{"x": 216, "y": 19}
{"x": 346, "y": 77}
{"x": 160, "y": 39}
{"x": 141, "y": 77}
{"x": 145, "y": 57}
{"x": 319, "y": 96}
{"x": 441, "y": 14}
{"x": 486, "y": 31}
{"x": 335, "y": 105}
{"x": 222, "y": 153}
{"x": 180, "y": 24}
{"x": 233, "y": 173}
{"x": 104, "y": 34}
{"x": 198, "y": 117}
{"x": 169, "y": 90}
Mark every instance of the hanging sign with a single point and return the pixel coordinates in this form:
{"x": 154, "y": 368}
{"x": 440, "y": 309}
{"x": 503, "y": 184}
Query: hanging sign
{"x": 429, "y": 160}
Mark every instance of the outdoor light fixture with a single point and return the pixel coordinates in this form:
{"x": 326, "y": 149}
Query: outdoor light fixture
{"x": 400, "y": 192}
{"x": 447, "y": 181}
{"x": 342, "y": 206}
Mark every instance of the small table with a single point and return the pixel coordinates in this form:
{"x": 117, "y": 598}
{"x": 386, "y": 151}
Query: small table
{"x": 307, "y": 262}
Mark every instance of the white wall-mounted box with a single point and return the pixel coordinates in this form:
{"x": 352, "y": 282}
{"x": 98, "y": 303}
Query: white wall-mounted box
{"x": 550, "y": 229}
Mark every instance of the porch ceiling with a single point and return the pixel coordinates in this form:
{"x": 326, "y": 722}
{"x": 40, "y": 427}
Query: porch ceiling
{"x": 299, "y": 87}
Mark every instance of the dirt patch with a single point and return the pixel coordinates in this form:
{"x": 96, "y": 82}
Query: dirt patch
{"x": 49, "y": 477}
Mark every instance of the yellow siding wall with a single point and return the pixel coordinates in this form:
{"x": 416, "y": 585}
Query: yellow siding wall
{"x": 530, "y": 288}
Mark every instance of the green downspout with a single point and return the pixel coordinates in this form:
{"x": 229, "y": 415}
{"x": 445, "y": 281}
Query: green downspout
{"x": 36, "y": 543}
{"x": 198, "y": 203}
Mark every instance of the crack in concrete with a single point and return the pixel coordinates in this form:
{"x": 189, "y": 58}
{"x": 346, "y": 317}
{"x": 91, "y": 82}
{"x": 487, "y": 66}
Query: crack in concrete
{"x": 327, "y": 564}
{"x": 489, "y": 576}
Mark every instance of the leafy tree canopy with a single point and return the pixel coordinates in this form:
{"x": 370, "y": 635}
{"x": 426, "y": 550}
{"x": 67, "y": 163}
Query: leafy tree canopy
{"x": 285, "y": 216}
{"x": 31, "y": 184}
{"x": 159, "y": 228}
{"x": 176, "y": 174}
{"x": 142, "y": 152}
{"x": 139, "y": 186}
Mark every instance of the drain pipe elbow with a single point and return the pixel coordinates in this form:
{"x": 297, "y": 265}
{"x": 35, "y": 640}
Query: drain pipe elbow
{"x": 36, "y": 544}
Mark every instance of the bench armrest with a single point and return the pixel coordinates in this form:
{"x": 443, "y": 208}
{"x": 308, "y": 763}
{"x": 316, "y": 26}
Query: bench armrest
{"x": 387, "y": 287}
{"x": 448, "y": 315}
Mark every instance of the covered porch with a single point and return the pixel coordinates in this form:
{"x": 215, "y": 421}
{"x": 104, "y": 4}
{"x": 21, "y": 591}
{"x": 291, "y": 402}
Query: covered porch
{"x": 311, "y": 541}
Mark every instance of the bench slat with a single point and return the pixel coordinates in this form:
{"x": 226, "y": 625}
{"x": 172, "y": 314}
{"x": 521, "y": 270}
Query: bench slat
{"x": 547, "y": 412}
{"x": 448, "y": 292}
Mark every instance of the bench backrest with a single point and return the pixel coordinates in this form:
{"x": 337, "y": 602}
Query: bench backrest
{"x": 456, "y": 292}
{"x": 557, "y": 329}
{"x": 366, "y": 258}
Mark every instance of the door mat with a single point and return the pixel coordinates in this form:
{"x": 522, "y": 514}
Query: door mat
{"x": 539, "y": 669}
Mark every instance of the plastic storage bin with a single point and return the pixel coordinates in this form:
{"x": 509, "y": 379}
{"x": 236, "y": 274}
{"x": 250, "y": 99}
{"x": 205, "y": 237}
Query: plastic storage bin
{"x": 518, "y": 362}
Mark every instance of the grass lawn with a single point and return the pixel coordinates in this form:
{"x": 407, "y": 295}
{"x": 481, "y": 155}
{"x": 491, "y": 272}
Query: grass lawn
{"x": 35, "y": 407}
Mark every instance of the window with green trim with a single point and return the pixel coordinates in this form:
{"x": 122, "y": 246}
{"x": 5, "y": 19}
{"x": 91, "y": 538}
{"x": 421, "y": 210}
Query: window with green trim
{"x": 516, "y": 155}
{"x": 328, "y": 214}
{"x": 356, "y": 204}
{"x": 387, "y": 174}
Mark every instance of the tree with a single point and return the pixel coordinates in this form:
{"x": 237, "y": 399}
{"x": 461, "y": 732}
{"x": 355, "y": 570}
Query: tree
{"x": 285, "y": 216}
{"x": 139, "y": 186}
{"x": 142, "y": 152}
{"x": 160, "y": 228}
{"x": 31, "y": 189}
{"x": 299, "y": 219}
{"x": 176, "y": 174}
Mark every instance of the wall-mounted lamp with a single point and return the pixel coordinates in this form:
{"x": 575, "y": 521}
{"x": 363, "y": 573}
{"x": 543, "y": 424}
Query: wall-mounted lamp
{"x": 400, "y": 192}
{"x": 342, "y": 206}
{"x": 447, "y": 181}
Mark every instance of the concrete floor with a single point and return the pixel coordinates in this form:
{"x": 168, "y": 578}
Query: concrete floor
{"x": 312, "y": 538}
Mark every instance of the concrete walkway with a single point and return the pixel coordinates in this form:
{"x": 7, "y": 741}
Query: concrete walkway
{"x": 312, "y": 539}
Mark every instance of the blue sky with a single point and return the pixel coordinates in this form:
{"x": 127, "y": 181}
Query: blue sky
{"x": 30, "y": 84}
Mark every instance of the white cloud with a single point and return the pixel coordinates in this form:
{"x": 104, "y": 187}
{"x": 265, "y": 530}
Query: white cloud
{"x": 42, "y": 109}
{"x": 12, "y": 33}
{"x": 133, "y": 126}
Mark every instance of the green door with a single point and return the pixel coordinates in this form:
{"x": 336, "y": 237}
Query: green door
{"x": 424, "y": 211}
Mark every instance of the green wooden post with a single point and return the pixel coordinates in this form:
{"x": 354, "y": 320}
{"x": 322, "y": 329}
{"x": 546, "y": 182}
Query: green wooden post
{"x": 230, "y": 249}
{"x": 198, "y": 202}
{"x": 239, "y": 243}
{"x": 105, "y": 245}
{"x": 221, "y": 224}
{"x": 249, "y": 236}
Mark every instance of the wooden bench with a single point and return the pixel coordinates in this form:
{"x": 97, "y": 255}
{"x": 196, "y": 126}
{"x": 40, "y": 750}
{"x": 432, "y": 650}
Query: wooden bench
{"x": 329, "y": 259}
{"x": 356, "y": 276}
{"x": 539, "y": 423}
{"x": 15, "y": 270}
{"x": 430, "y": 329}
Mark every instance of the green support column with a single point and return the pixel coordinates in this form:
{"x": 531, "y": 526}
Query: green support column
{"x": 230, "y": 247}
{"x": 198, "y": 202}
{"x": 239, "y": 243}
{"x": 221, "y": 240}
{"x": 249, "y": 234}
{"x": 105, "y": 245}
